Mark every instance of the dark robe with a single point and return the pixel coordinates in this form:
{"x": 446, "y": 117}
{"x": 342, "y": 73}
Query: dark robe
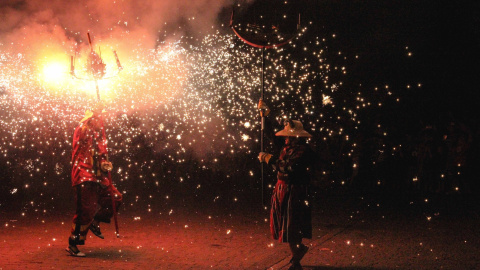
{"x": 290, "y": 215}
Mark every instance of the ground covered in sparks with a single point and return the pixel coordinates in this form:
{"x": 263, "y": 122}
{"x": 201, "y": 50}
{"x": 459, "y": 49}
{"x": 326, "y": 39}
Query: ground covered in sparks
{"x": 350, "y": 232}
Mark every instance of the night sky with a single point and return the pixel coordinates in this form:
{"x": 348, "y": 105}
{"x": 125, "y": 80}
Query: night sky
{"x": 443, "y": 37}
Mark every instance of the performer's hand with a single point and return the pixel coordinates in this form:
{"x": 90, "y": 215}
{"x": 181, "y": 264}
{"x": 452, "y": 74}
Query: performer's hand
{"x": 106, "y": 166}
{"x": 263, "y": 108}
{"x": 264, "y": 157}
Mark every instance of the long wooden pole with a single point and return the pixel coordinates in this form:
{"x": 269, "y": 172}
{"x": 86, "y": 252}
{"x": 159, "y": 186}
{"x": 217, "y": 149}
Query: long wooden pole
{"x": 112, "y": 196}
{"x": 262, "y": 114}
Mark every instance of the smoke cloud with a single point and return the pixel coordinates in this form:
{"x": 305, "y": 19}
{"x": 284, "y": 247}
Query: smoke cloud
{"x": 30, "y": 21}
{"x": 35, "y": 34}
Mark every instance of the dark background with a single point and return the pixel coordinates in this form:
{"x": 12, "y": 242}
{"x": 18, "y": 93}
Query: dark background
{"x": 442, "y": 35}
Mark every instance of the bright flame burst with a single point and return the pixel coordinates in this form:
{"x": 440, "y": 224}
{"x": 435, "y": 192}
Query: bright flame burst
{"x": 52, "y": 72}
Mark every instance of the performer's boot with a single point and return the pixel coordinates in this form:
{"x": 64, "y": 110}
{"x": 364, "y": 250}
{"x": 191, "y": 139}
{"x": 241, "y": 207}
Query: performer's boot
{"x": 95, "y": 228}
{"x": 295, "y": 265}
{"x": 73, "y": 241}
{"x": 298, "y": 251}
{"x": 301, "y": 251}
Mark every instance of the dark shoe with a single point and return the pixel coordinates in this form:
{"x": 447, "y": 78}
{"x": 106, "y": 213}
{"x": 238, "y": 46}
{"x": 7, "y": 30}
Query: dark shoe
{"x": 302, "y": 251}
{"x": 295, "y": 266}
{"x": 299, "y": 254}
{"x": 95, "y": 228}
{"x": 73, "y": 250}
{"x": 74, "y": 240}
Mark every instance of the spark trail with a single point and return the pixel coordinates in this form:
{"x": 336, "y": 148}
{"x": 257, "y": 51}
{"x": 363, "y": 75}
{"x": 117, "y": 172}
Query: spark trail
{"x": 192, "y": 100}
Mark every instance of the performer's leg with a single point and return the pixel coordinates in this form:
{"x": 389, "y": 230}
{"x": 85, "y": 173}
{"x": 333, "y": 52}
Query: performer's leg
{"x": 105, "y": 200}
{"x": 298, "y": 251}
{"x": 86, "y": 197}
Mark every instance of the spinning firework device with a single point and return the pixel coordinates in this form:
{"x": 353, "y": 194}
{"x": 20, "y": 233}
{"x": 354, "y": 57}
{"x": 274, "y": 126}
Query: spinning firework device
{"x": 95, "y": 65}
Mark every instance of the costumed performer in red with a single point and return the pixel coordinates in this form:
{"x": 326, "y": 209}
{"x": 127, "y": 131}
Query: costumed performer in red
{"x": 90, "y": 180}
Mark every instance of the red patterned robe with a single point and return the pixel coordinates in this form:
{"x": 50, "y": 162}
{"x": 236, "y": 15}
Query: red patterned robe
{"x": 89, "y": 150}
{"x": 290, "y": 215}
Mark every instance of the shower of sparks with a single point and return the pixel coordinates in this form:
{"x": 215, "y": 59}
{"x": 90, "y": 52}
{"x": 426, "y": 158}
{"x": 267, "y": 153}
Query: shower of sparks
{"x": 192, "y": 101}
{"x": 326, "y": 100}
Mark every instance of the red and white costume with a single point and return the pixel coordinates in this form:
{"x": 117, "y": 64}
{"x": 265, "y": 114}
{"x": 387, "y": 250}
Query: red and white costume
{"x": 92, "y": 186}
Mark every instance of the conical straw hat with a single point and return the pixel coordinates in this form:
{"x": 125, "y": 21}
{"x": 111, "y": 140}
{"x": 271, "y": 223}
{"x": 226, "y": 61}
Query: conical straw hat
{"x": 294, "y": 128}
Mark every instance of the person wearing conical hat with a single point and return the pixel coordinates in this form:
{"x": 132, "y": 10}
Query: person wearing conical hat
{"x": 91, "y": 184}
{"x": 290, "y": 213}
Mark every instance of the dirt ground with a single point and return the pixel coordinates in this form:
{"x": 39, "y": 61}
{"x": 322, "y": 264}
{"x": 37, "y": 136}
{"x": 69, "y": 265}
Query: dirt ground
{"x": 353, "y": 233}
